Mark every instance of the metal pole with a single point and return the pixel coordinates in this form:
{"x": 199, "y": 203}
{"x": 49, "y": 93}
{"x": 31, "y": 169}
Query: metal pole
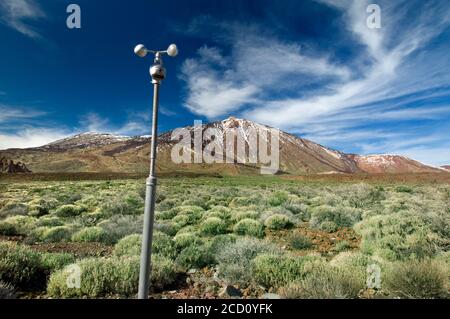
{"x": 149, "y": 211}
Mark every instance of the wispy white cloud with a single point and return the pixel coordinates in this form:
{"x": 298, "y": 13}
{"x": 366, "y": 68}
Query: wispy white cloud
{"x": 13, "y": 112}
{"x": 17, "y": 14}
{"x": 218, "y": 84}
{"x": 136, "y": 124}
{"x": 31, "y": 137}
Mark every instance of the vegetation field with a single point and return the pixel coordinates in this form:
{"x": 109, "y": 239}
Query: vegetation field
{"x": 250, "y": 237}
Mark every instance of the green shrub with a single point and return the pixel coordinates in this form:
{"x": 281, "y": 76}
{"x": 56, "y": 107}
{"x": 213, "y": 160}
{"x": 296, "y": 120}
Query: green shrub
{"x": 298, "y": 241}
{"x": 181, "y": 221}
{"x": 341, "y": 216}
{"x": 249, "y": 227}
{"x": 277, "y": 222}
{"x": 69, "y": 210}
{"x": 416, "y": 279}
{"x": 124, "y": 204}
{"x": 184, "y": 240}
{"x": 120, "y": 226}
{"x": 21, "y": 267}
{"x": 278, "y": 270}
{"x": 325, "y": 282}
{"x": 163, "y": 245}
{"x": 213, "y": 226}
{"x": 7, "y": 228}
{"x": 223, "y": 215}
{"x": 90, "y": 234}
{"x": 196, "y": 255}
{"x": 398, "y": 236}
{"x": 404, "y": 189}
{"x": 17, "y": 225}
{"x": 234, "y": 259}
{"x": 129, "y": 246}
{"x": 49, "y": 221}
{"x": 301, "y": 211}
{"x": 106, "y": 276}
{"x": 328, "y": 226}
{"x": 342, "y": 246}
{"x": 56, "y": 261}
{"x": 278, "y": 198}
{"x": 165, "y": 215}
{"x": 52, "y": 234}
{"x": 240, "y": 215}
{"x": 13, "y": 209}
{"x": 219, "y": 242}
{"x": 192, "y": 214}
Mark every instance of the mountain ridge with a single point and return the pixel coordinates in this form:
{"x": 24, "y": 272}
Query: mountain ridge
{"x": 104, "y": 152}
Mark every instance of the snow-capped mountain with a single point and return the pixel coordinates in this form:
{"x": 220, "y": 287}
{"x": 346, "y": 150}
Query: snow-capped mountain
{"x": 95, "y": 152}
{"x": 390, "y": 164}
{"x": 86, "y": 140}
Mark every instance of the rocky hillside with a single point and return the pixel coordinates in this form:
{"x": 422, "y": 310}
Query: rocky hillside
{"x": 94, "y": 152}
{"x": 374, "y": 164}
{"x": 8, "y": 166}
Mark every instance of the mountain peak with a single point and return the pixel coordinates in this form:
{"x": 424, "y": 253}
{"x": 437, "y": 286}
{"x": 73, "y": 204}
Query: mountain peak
{"x": 86, "y": 140}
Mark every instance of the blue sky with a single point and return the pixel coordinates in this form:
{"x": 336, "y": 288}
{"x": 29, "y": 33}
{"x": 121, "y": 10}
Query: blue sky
{"x": 312, "y": 68}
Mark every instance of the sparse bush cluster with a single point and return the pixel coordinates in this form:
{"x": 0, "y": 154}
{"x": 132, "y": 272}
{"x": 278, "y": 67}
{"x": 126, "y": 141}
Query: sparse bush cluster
{"x": 297, "y": 239}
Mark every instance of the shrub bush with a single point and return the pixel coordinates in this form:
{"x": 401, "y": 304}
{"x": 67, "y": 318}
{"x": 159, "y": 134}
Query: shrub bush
{"x": 184, "y": 240}
{"x": 219, "y": 242}
{"x": 416, "y": 279}
{"x": 249, "y": 227}
{"x": 298, "y": 241}
{"x": 120, "y": 226}
{"x": 56, "y": 261}
{"x": 13, "y": 209}
{"x": 240, "y": 215}
{"x": 41, "y": 206}
{"x": 278, "y": 198}
{"x": 404, "y": 189}
{"x": 90, "y": 234}
{"x": 17, "y": 225}
{"x": 245, "y": 201}
{"x": 341, "y": 216}
{"x": 21, "y": 267}
{"x": 129, "y": 246}
{"x": 325, "y": 282}
{"x": 196, "y": 255}
{"x": 234, "y": 259}
{"x": 302, "y": 211}
{"x": 277, "y": 222}
{"x": 328, "y": 226}
{"x": 123, "y": 204}
{"x": 213, "y": 226}
{"x": 273, "y": 271}
{"x": 342, "y": 246}
{"x": 106, "y": 276}
{"x": 49, "y": 221}
{"x": 70, "y": 210}
{"x": 52, "y": 234}
{"x": 397, "y": 236}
